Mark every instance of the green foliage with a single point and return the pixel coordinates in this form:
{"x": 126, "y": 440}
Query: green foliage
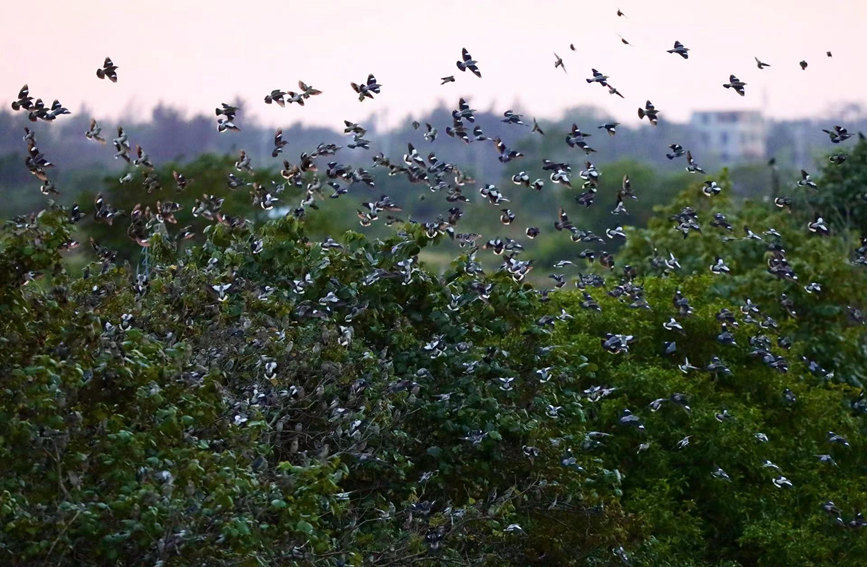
{"x": 842, "y": 196}
{"x": 348, "y": 405}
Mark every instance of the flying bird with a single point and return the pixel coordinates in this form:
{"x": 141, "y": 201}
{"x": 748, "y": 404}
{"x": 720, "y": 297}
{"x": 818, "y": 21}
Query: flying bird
{"x": 366, "y": 89}
{"x": 107, "y": 71}
{"x": 680, "y": 50}
{"x": 467, "y": 62}
{"x": 558, "y": 62}
{"x": 94, "y": 132}
{"x": 598, "y": 78}
{"x": 650, "y": 112}
{"x": 760, "y": 64}
{"x": 736, "y": 84}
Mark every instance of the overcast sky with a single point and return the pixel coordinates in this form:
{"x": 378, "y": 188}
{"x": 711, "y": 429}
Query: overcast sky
{"x": 195, "y": 54}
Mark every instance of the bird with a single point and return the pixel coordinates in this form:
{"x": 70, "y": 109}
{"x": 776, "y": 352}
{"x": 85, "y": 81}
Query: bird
{"x": 447, "y": 79}
{"x": 680, "y": 50}
{"x": 181, "y": 180}
{"x": 467, "y": 62}
{"x": 598, "y": 78}
{"x": 227, "y": 110}
{"x": 536, "y": 128}
{"x": 807, "y": 181}
{"x": 279, "y": 143}
{"x": 691, "y": 165}
{"x": 307, "y": 91}
{"x": 366, "y": 89}
{"x": 720, "y": 474}
{"x": 803, "y": 65}
{"x": 276, "y": 96}
{"x": 610, "y": 127}
{"x": 736, "y": 84}
{"x": 676, "y": 151}
{"x": 558, "y": 62}
{"x": 24, "y": 100}
{"x": 650, "y": 112}
{"x": 628, "y": 419}
{"x": 614, "y": 91}
{"x": 710, "y": 189}
{"x": 837, "y": 134}
{"x": 94, "y": 132}
{"x": 720, "y": 267}
{"x": 837, "y": 439}
{"x": 430, "y": 133}
{"x": 226, "y": 125}
{"x": 512, "y": 117}
{"x": 760, "y": 64}
{"x": 107, "y": 71}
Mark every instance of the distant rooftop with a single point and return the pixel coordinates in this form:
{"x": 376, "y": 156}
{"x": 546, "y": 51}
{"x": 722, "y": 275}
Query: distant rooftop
{"x": 700, "y": 117}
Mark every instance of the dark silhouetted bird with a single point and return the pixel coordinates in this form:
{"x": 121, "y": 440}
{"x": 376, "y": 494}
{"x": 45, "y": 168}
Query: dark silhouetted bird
{"x": 107, "y": 71}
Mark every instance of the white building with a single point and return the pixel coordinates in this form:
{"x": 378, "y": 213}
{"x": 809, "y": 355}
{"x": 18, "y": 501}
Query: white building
{"x": 731, "y": 136}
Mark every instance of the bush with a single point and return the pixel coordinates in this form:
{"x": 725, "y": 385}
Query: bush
{"x": 263, "y": 398}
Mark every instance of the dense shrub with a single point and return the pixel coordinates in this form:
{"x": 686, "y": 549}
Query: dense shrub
{"x": 263, "y": 399}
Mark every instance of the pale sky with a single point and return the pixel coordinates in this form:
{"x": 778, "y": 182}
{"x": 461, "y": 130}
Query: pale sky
{"x": 196, "y": 54}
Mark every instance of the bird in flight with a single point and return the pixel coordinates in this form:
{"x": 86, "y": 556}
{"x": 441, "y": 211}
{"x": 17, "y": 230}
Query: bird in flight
{"x": 107, "y": 71}
{"x": 468, "y": 62}
{"x": 598, "y": 78}
{"x": 94, "y": 132}
{"x": 650, "y": 112}
{"x": 612, "y": 90}
{"x": 761, "y": 64}
{"x": 558, "y": 62}
{"x": 680, "y": 50}
{"x": 736, "y": 84}
{"x": 367, "y": 88}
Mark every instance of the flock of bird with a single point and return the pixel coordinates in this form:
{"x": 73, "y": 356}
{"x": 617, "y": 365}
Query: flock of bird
{"x": 319, "y": 168}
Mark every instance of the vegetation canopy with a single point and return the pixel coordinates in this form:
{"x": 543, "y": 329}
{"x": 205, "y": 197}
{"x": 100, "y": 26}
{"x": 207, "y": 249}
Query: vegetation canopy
{"x": 265, "y": 398}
